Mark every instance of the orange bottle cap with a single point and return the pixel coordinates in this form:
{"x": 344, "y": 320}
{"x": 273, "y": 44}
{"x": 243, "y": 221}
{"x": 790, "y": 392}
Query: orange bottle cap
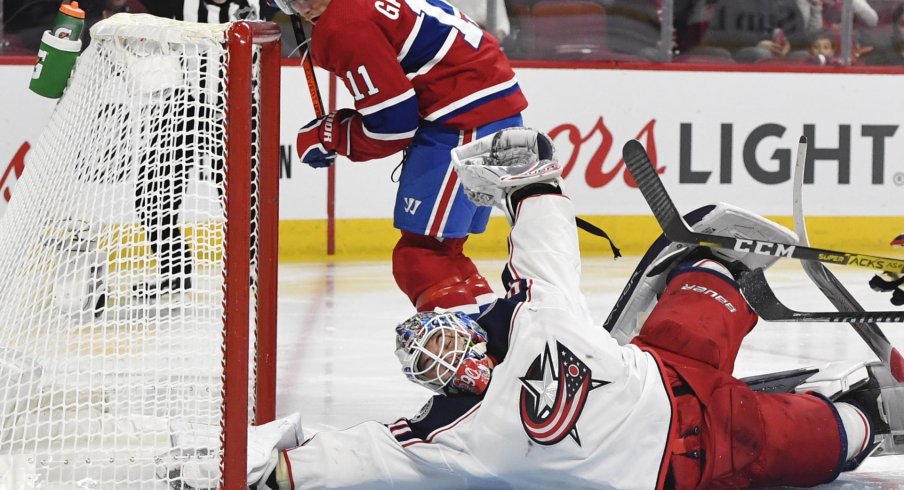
{"x": 73, "y": 10}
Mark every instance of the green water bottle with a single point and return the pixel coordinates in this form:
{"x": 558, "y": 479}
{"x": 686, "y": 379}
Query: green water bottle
{"x": 59, "y": 49}
{"x": 69, "y": 22}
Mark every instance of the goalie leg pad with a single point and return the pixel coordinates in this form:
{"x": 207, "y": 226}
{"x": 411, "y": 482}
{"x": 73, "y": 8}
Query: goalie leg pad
{"x": 874, "y": 392}
{"x": 751, "y": 439}
{"x": 802, "y": 443}
{"x": 650, "y": 277}
{"x": 881, "y": 399}
{"x": 701, "y": 316}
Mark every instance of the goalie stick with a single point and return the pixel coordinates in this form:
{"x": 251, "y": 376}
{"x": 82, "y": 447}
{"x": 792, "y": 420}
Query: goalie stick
{"x": 676, "y": 229}
{"x": 832, "y": 288}
{"x": 762, "y": 299}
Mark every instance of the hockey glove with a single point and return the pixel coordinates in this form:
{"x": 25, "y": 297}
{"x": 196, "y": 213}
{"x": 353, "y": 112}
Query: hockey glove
{"x": 889, "y": 281}
{"x": 497, "y": 165}
{"x": 318, "y": 140}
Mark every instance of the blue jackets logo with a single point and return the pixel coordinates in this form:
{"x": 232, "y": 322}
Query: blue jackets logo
{"x": 553, "y": 396}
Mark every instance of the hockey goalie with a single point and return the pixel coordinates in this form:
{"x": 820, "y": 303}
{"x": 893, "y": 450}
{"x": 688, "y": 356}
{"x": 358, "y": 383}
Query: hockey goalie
{"x": 533, "y": 394}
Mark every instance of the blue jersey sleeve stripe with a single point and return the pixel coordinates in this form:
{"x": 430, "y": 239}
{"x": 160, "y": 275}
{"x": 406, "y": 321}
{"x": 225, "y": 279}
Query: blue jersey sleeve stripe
{"x": 408, "y": 94}
{"x": 464, "y": 105}
{"x": 427, "y": 43}
{"x": 390, "y": 136}
{"x": 398, "y": 119}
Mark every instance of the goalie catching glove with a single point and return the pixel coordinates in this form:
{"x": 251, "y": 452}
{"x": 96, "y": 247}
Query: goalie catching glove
{"x": 885, "y": 282}
{"x": 494, "y": 167}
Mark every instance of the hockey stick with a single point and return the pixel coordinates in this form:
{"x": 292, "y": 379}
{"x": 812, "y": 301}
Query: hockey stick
{"x": 763, "y": 301}
{"x": 308, "y": 66}
{"x": 832, "y": 288}
{"x": 754, "y": 286}
{"x": 676, "y": 229}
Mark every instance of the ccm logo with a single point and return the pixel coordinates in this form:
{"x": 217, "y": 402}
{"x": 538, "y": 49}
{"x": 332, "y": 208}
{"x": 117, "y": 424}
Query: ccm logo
{"x": 709, "y": 292}
{"x": 775, "y": 249}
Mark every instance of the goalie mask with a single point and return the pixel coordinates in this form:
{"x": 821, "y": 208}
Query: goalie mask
{"x": 433, "y": 347}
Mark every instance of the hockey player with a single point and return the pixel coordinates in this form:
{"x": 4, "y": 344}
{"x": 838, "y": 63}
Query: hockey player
{"x": 429, "y": 80}
{"x": 565, "y": 405}
{"x": 885, "y": 282}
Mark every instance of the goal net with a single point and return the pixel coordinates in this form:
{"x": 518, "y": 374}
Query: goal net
{"x": 137, "y": 260}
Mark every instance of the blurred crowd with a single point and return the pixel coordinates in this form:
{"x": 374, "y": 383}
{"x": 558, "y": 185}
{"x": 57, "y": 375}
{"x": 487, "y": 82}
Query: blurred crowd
{"x": 818, "y": 32}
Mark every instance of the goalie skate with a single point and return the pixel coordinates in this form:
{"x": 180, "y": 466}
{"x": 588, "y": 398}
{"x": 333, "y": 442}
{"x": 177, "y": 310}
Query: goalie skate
{"x": 649, "y": 278}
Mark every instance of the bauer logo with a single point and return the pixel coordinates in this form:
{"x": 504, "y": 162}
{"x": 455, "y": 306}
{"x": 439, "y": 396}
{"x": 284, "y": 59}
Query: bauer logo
{"x": 712, "y": 294}
{"x": 553, "y": 394}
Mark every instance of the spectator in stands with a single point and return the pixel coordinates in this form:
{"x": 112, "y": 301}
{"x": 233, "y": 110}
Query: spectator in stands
{"x": 757, "y": 29}
{"x": 633, "y": 27}
{"x": 863, "y": 13}
{"x": 891, "y": 52}
{"x": 691, "y": 19}
{"x": 477, "y": 10}
{"x": 822, "y": 49}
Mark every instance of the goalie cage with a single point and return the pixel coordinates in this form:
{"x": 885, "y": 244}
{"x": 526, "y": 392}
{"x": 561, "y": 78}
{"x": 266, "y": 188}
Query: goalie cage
{"x": 91, "y": 373}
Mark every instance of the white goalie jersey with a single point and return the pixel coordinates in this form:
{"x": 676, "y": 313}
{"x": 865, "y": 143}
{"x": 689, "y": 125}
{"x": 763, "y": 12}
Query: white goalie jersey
{"x": 567, "y": 407}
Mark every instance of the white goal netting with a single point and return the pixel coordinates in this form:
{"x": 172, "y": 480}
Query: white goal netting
{"x": 112, "y": 256}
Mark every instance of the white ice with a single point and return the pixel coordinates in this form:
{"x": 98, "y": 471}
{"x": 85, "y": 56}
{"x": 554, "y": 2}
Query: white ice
{"x": 335, "y": 353}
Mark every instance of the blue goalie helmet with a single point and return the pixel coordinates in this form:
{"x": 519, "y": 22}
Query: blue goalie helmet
{"x": 432, "y": 346}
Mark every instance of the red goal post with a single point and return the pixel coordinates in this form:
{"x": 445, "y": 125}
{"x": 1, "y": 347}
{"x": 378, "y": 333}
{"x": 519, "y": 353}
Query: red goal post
{"x": 241, "y": 37}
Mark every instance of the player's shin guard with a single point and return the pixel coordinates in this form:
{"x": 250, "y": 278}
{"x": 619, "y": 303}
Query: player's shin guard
{"x": 650, "y": 276}
{"x": 427, "y": 270}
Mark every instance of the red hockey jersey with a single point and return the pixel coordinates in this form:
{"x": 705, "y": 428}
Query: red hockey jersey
{"x": 407, "y": 63}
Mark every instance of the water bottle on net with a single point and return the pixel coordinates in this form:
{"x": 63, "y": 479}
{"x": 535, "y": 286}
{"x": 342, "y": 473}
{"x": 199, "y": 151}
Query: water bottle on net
{"x": 59, "y": 49}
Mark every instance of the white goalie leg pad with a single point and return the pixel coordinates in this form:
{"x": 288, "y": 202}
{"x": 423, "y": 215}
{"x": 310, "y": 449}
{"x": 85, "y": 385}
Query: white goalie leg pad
{"x": 494, "y": 165}
{"x": 648, "y": 280}
{"x": 835, "y": 379}
{"x": 873, "y": 391}
{"x": 736, "y": 222}
{"x": 193, "y": 463}
{"x": 265, "y": 442}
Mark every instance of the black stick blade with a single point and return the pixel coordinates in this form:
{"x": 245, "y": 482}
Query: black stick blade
{"x": 762, "y": 299}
